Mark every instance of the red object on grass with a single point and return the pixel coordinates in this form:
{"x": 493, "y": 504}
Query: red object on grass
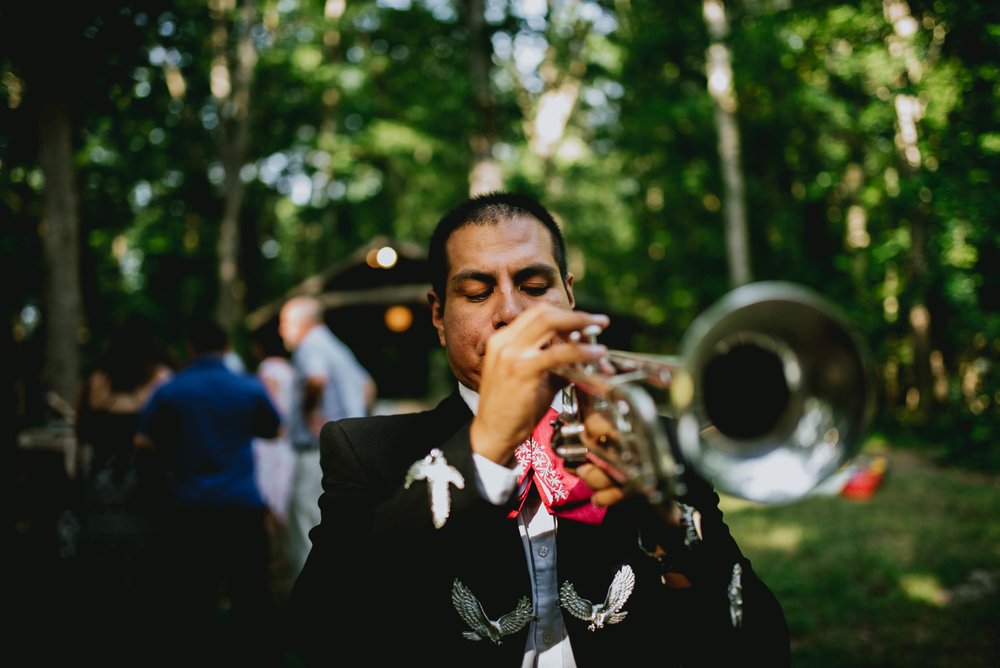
{"x": 863, "y": 484}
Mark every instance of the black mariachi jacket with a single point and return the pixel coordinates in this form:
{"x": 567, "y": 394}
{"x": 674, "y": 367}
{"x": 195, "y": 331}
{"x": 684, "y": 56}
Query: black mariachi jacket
{"x": 379, "y": 577}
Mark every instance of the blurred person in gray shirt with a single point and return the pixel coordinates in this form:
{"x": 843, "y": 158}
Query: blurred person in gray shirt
{"x": 330, "y": 384}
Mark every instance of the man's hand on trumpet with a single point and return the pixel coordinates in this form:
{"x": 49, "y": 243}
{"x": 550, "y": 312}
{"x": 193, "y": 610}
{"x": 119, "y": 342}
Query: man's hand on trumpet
{"x": 515, "y": 386}
{"x": 609, "y": 484}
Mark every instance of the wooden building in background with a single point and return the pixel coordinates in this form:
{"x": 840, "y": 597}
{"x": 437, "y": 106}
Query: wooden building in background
{"x": 376, "y": 302}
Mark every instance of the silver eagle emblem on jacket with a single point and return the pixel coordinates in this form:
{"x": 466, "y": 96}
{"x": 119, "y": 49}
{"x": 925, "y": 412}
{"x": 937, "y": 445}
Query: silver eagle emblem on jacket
{"x": 608, "y": 612}
{"x": 735, "y": 592}
{"x": 471, "y": 611}
{"x": 434, "y": 468}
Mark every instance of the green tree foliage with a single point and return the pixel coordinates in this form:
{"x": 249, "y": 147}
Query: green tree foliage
{"x": 361, "y": 119}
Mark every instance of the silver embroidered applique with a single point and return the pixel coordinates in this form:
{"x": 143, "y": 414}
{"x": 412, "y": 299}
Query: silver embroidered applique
{"x": 434, "y": 468}
{"x": 690, "y": 517}
{"x": 608, "y": 612}
{"x": 471, "y": 611}
{"x": 735, "y": 592}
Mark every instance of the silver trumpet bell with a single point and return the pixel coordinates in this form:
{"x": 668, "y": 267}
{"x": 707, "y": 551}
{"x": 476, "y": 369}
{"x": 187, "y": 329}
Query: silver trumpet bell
{"x": 770, "y": 394}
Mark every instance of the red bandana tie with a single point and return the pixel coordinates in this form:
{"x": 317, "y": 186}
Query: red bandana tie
{"x": 563, "y": 493}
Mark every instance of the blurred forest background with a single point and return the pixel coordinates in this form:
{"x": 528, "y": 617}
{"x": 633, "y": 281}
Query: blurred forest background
{"x": 173, "y": 157}
{"x": 178, "y": 157}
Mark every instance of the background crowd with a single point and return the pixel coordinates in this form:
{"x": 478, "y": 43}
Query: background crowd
{"x": 178, "y": 539}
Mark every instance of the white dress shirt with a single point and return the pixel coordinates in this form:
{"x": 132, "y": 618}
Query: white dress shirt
{"x": 548, "y": 645}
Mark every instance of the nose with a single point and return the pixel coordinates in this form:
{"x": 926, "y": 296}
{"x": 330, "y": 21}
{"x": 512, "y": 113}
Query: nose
{"x": 509, "y": 304}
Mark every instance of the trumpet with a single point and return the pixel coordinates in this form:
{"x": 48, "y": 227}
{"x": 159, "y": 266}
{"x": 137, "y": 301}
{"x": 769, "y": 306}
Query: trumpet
{"x": 770, "y": 394}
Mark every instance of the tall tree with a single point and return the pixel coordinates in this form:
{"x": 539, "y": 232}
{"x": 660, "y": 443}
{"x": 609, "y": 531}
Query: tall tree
{"x": 51, "y": 89}
{"x": 909, "y": 111}
{"x": 560, "y": 75}
{"x": 60, "y": 230}
{"x": 234, "y": 57}
{"x": 485, "y": 173}
{"x": 719, "y": 74}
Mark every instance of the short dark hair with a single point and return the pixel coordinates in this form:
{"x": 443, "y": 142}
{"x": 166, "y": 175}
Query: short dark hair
{"x": 132, "y": 353}
{"x": 207, "y": 336}
{"x": 489, "y": 208}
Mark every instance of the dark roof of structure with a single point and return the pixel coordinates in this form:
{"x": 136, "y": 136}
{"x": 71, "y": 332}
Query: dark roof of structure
{"x": 358, "y": 279}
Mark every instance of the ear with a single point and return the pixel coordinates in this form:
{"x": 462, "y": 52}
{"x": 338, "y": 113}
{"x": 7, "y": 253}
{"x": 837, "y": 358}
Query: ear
{"x": 569, "y": 290}
{"x": 437, "y": 315}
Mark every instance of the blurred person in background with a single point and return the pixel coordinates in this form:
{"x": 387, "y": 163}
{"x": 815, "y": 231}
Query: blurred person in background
{"x": 330, "y": 384}
{"x": 202, "y": 423}
{"x": 122, "y": 490}
{"x": 274, "y": 457}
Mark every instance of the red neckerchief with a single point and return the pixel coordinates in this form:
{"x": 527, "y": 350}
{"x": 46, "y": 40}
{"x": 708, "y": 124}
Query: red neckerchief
{"x": 564, "y": 494}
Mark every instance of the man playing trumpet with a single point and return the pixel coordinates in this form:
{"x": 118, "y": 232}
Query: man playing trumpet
{"x": 455, "y": 536}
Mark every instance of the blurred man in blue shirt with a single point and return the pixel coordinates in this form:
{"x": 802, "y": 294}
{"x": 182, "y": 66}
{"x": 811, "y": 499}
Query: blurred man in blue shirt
{"x": 202, "y": 423}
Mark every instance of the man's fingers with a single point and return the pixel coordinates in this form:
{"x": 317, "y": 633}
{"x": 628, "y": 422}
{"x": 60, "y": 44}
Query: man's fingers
{"x": 606, "y": 491}
{"x": 542, "y": 323}
{"x": 607, "y": 497}
{"x": 570, "y": 353}
{"x": 599, "y": 431}
{"x": 537, "y": 356}
{"x": 595, "y": 478}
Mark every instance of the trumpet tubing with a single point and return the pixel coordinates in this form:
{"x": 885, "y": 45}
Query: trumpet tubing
{"x": 770, "y": 394}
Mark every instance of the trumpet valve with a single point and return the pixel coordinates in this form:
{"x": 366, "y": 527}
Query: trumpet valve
{"x": 568, "y": 444}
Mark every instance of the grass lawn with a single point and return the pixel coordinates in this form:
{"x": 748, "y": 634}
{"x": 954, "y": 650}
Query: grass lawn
{"x": 908, "y": 577}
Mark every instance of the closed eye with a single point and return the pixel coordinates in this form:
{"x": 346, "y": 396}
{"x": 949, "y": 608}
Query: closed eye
{"x": 536, "y": 279}
{"x": 536, "y": 290}
{"x": 479, "y": 296}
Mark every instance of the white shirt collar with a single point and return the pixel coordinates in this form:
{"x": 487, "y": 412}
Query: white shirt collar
{"x": 471, "y": 398}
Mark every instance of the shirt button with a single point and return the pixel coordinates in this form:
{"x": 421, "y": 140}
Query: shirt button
{"x": 547, "y": 638}
{"x": 543, "y": 551}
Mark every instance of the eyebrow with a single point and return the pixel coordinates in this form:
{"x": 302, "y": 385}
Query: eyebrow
{"x": 472, "y": 275}
{"x": 533, "y": 270}
{"x": 530, "y": 271}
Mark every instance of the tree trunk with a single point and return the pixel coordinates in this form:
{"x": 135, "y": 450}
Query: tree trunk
{"x": 548, "y": 114}
{"x": 719, "y": 72}
{"x": 333, "y": 57}
{"x": 60, "y": 232}
{"x": 909, "y": 112}
{"x": 484, "y": 174}
{"x": 235, "y": 113}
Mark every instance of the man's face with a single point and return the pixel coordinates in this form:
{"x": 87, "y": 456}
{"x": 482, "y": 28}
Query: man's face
{"x": 494, "y": 273}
